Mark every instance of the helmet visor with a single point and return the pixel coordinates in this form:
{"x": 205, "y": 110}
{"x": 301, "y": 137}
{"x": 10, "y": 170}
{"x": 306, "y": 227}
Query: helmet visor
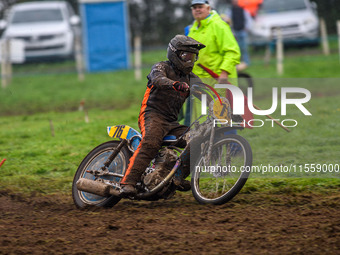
{"x": 188, "y": 56}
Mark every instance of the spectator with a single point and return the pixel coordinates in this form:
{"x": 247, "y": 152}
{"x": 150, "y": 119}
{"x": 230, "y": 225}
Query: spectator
{"x": 222, "y": 52}
{"x": 241, "y": 22}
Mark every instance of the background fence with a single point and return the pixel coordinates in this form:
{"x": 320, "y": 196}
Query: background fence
{"x": 154, "y": 24}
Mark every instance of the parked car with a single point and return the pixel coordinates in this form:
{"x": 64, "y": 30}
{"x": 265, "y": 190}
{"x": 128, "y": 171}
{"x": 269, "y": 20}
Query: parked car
{"x": 297, "y": 20}
{"x": 47, "y": 28}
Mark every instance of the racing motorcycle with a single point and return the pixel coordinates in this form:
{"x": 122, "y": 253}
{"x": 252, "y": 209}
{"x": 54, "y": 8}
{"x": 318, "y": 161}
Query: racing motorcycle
{"x": 219, "y": 167}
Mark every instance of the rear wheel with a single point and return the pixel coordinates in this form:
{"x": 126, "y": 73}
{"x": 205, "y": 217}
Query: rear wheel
{"x": 94, "y": 161}
{"x": 218, "y": 179}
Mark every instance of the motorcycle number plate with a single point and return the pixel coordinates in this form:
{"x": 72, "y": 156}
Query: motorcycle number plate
{"x": 120, "y": 131}
{"x": 221, "y": 111}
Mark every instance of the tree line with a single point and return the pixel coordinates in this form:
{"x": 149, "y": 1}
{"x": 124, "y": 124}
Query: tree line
{"x": 157, "y": 21}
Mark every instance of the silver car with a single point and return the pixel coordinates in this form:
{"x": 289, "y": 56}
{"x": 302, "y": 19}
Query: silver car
{"x": 297, "y": 20}
{"x": 47, "y": 28}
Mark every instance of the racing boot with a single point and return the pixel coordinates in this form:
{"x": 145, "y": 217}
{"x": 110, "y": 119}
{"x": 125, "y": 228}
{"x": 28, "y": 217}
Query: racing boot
{"x": 179, "y": 178}
{"x": 184, "y": 186}
{"x": 127, "y": 190}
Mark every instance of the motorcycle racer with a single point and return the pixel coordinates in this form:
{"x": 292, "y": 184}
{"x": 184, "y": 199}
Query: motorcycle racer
{"x": 167, "y": 89}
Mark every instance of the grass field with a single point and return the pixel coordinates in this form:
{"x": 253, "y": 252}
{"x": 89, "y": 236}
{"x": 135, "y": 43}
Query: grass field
{"x": 44, "y": 160}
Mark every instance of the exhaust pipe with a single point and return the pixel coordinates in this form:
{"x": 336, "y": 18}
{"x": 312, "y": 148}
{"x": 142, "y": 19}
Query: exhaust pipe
{"x": 96, "y": 187}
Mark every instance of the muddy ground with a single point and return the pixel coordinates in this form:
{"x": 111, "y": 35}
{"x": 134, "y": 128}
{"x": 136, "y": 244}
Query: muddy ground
{"x": 250, "y": 224}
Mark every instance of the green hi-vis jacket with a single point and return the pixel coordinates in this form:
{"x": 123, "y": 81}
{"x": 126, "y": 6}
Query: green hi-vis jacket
{"x": 221, "y": 52}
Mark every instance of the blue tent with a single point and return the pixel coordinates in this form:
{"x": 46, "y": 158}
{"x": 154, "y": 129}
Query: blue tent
{"x": 105, "y": 34}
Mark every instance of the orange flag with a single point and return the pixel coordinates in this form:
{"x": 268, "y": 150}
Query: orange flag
{"x": 251, "y": 6}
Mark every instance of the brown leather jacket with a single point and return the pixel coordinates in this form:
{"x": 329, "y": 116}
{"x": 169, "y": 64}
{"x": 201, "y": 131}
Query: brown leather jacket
{"x": 160, "y": 96}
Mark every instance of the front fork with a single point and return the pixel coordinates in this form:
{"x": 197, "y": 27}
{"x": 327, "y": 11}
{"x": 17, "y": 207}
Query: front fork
{"x": 114, "y": 154}
{"x": 104, "y": 171}
{"x": 211, "y": 141}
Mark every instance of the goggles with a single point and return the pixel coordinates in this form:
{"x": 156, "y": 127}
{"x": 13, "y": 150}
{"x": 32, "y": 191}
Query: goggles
{"x": 188, "y": 56}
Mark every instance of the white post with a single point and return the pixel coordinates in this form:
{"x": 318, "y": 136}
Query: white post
{"x": 87, "y": 119}
{"x": 268, "y": 50}
{"x": 324, "y": 39}
{"x": 279, "y": 52}
{"x": 9, "y": 61}
{"x": 79, "y": 57}
{"x": 4, "y": 69}
{"x": 138, "y": 57}
{"x": 52, "y": 128}
{"x": 338, "y": 25}
{"x": 267, "y": 54}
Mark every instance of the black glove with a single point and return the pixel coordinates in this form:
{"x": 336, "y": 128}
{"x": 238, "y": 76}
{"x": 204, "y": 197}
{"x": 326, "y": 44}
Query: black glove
{"x": 181, "y": 86}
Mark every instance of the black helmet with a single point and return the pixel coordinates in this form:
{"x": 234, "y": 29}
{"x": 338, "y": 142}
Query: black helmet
{"x": 183, "y": 52}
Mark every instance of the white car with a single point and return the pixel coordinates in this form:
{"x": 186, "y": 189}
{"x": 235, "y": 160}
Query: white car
{"x": 297, "y": 20}
{"x": 47, "y": 28}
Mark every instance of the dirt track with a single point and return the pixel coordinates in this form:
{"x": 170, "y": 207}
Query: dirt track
{"x": 250, "y": 224}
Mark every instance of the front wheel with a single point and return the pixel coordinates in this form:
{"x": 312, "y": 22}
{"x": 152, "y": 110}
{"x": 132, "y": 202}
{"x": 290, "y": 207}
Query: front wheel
{"x": 94, "y": 161}
{"x": 217, "y": 179}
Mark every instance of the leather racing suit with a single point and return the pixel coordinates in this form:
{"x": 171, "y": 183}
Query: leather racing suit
{"x": 158, "y": 117}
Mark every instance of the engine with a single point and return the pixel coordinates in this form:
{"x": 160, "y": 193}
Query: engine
{"x": 160, "y": 168}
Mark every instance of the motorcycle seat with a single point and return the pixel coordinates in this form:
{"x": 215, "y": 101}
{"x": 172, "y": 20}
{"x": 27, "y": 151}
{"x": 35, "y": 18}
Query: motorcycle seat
{"x": 169, "y": 139}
